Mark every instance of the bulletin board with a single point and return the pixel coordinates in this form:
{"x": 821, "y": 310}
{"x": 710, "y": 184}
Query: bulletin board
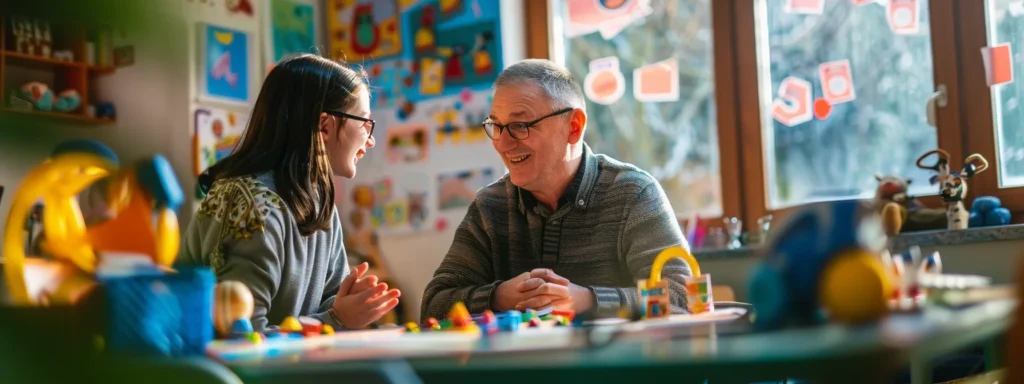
{"x": 431, "y": 64}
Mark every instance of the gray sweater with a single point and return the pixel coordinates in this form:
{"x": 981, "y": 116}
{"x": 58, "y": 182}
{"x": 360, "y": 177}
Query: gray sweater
{"x": 244, "y": 231}
{"x": 606, "y": 239}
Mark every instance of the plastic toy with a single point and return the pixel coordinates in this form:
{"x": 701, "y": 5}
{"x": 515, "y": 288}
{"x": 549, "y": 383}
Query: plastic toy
{"x": 987, "y": 211}
{"x": 654, "y": 293}
{"x": 825, "y": 256}
{"x": 141, "y": 199}
{"x": 67, "y": 101}
{"x": 953, "y": 185}
{"x": 232, "y": 302}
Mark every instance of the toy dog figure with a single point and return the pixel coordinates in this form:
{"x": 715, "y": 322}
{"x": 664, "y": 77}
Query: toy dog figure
{"x": 953, "y": 185}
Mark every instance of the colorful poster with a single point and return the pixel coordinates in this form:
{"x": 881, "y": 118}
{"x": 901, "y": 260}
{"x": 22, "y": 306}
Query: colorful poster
{"x": 224, "y": 65}
{"x": 458, "y": 189}
{"x": 608, "y": 17}
{"x": 604, "y": 84}
{"x": 361, "y": 30}
{"x": 469, "y": 54}
{"x": 837, "y": 82}
{"x": 998, "y": 62}
{"x": 389, "y": 205}
{"x": 657, "y": 82}
{"x": 793, "y": 106}
{"x": 216, "y": 133}
{"x": 390, "y": 81}
{"x": 292, "y": 26}
{"x": 407, "y": 144}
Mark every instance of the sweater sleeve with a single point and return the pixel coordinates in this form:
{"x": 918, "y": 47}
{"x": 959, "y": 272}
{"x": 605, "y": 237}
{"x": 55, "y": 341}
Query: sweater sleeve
{"x": 250, "y": 256}
{"x": 465, "y": 274}
{"x": 650, "y": 227}
{"x": 340, "y": 270}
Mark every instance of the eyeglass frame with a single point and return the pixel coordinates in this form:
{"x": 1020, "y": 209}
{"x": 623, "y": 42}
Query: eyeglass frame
{"x": 526, "y": 126}
{"x": 373, "y": 123}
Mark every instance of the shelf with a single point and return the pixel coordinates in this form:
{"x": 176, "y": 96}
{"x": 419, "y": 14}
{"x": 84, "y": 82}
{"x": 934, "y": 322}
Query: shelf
{"x": 39, "y": 61}
{"x": 75, "y": 116}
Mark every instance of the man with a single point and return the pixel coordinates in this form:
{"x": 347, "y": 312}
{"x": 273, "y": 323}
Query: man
{"x": 565, "y": 228}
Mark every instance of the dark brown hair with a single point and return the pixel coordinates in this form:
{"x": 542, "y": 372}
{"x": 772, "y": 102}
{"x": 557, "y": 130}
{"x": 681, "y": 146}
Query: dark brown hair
{"x": 283, "y": 135}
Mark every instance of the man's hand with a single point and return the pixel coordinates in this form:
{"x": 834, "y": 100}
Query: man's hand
{"x": 361, "y": 300}
{"x": 540, "y": 285}
{"x": 510, "y": 294}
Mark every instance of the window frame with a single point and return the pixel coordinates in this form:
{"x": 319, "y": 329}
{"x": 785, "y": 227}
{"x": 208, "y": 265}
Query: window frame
{"x": 966, "y": 125}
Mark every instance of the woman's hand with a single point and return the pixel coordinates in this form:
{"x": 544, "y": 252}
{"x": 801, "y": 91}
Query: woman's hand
{"x": 361, "y": 300}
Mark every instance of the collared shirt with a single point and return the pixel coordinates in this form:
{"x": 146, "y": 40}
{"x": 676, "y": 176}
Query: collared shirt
{"x": 607, "y": 240}
{"x": 568, "y": 197}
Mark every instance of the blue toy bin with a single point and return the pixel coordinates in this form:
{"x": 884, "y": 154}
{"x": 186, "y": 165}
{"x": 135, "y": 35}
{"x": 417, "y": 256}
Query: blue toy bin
{"x": 156, "y": 313}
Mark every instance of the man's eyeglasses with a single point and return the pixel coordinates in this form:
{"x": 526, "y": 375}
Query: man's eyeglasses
{"x": 518, "y": 130}
{"x": 370, "y": 122}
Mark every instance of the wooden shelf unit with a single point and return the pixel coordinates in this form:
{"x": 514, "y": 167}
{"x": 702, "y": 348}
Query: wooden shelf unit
{"x": 76, "y": 74}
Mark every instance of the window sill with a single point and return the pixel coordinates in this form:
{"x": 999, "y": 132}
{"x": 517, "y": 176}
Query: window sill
{"x": 898, "y": 243}
{"x": 958, "y": 237}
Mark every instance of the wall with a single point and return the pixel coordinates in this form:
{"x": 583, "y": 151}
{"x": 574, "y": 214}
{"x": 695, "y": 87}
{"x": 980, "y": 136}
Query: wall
{"x": 149, "y": 98}
{"x": 412, "y": 258}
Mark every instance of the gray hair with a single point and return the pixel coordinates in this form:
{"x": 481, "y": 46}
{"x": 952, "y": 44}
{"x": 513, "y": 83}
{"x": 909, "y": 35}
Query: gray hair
{"x": 555, "y": 80}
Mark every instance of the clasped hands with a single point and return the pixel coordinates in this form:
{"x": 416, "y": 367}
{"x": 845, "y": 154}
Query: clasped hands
{"x": 541, "y": 288}
{"x": 362, "y": 299}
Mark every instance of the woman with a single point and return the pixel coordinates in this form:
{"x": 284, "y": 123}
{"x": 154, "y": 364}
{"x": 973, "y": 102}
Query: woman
{"x": 269, "y": 219}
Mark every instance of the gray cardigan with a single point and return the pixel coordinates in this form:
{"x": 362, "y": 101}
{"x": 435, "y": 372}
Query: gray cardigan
{"x": 606, "y": 240}
{"x": 244, "y": 231}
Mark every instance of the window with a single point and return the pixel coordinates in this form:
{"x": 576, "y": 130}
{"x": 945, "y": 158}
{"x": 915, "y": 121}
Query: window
{"x": 1006, "y": 26}
{"x": 647, "y": 73}
{"x": 843, "y": 95}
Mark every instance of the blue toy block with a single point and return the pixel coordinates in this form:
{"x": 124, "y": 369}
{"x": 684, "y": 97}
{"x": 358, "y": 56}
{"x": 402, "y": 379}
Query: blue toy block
{"x": 985, "y": 204}
{"x": 160, "y": 314}
{"x": 509, "y": 321}
{"x": 977, "y": 219}
{"x": 998, "y": 216}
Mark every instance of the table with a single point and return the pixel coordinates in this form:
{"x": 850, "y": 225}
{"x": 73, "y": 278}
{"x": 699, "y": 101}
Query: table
{"x": 730, "y": 352}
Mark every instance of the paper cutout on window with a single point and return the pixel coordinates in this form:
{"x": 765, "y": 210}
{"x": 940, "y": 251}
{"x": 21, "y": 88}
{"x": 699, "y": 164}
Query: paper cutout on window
{"x": 657, "y": 82}
{"x": 793, "y": 106}
{"x": 1016, "y": 8}
{"x": 609, "y": 17}
{"x": 998, "y": 64}
{"x": 808, "y": 7}
{"x": 836, "y": 82}
{"x": 822, "y": 109}
{"x": 605, "y": 83}
{"x": 903, "y": 16}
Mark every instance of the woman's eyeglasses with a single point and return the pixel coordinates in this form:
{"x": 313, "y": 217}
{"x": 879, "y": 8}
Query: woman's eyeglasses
{"x": 366, "y": 121}
{"x": 518, "y": 130}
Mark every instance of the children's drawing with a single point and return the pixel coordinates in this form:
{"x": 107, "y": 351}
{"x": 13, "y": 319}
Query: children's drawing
{"x": 390, "y": 80}
{"x": 472, "y": 54}
{"x": 363, "y": 29}
{"x": 407, "y": 144}
{"x": 216, "y": 134}
{"x": 458, "y": 189}
{"x": 225, "y": 64}
{"x": 389, "y": 206}
{"x": 292, "y": 28}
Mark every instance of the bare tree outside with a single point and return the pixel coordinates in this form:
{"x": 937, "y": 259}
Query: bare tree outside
{"x": 677, "y": 142}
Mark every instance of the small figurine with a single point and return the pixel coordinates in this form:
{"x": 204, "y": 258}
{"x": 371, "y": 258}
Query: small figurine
{"x": 412, "y": 327}
{"x": 953, "y": 185}
{"x": 432, "y": 324}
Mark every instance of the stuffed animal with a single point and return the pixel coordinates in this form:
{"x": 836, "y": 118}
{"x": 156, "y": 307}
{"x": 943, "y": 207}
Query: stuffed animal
{"x": 68, "y": 101}
{"x": 901, "y": 212}
{"x": 986, "y": 211}
{"x": 39, "y": 94}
